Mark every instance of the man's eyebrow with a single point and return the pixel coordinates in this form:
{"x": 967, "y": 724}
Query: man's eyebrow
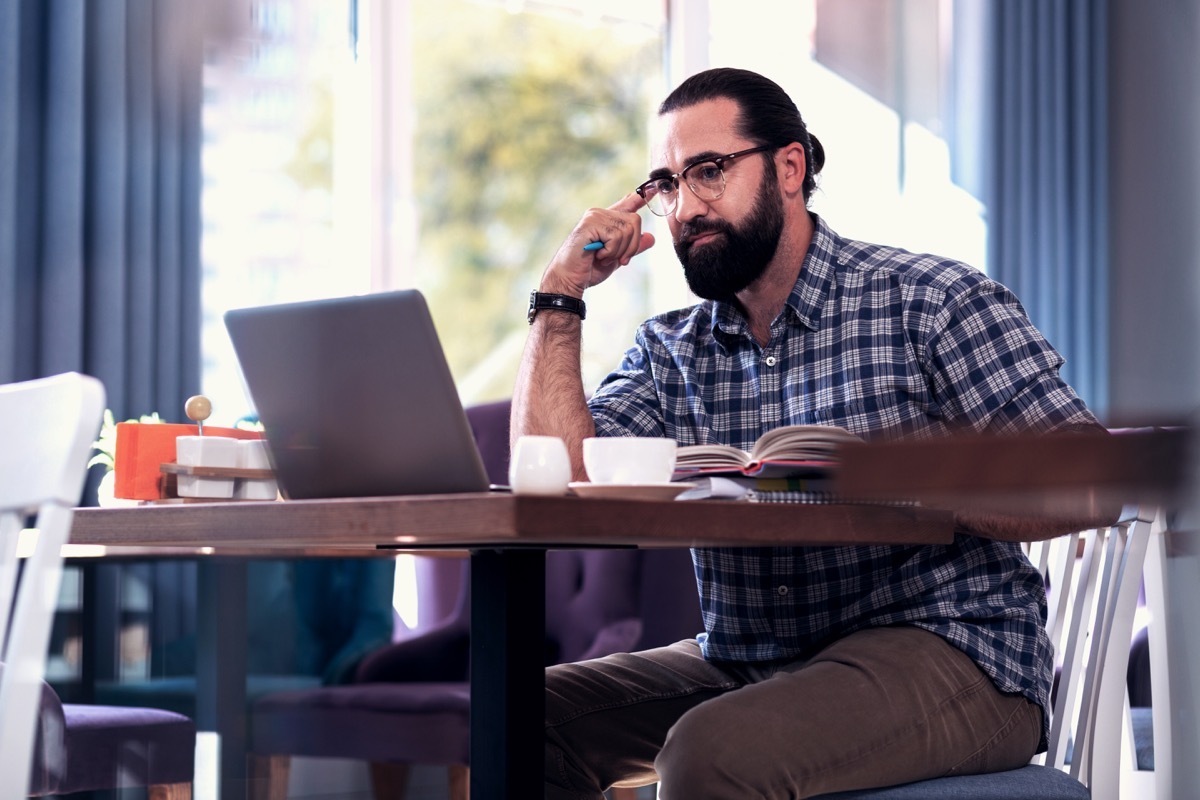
{"x": 707, "y": 155}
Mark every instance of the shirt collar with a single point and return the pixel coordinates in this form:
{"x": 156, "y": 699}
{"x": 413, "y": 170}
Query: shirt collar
{"x": 808, "y": 296}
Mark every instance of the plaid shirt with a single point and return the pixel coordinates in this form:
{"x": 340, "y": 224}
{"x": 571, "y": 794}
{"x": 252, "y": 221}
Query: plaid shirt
{"x": 886, "y": 344}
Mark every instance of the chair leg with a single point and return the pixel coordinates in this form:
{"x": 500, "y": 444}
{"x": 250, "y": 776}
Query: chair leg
{"x": 173, "y": 791}
{"x": 460, "y": 781}
{"x": 389, "y": 780}
{"x": 268, "y": 776}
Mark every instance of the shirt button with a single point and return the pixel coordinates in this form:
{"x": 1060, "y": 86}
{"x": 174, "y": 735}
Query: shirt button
{"x": 783, "y": 590}
{"x": 770, "y": 361}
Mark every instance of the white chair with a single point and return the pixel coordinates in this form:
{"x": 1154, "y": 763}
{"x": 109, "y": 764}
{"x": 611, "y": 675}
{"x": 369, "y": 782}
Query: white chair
{"x": 47, "y": 427}
{"x": 1093, "y": 579}
{"x": 1152, "y": 784}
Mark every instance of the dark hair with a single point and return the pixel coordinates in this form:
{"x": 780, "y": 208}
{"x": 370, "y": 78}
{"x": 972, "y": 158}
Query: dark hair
{"x": 767, "y": 115}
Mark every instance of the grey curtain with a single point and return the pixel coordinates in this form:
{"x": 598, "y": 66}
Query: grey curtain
{"x": 100, "y": 195}
{"x": 1046, "y": 153}
{"x": 100, "y": 235}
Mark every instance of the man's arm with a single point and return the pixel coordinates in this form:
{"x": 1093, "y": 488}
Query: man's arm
{"x": 1007, "y": 383}
{"x": 549, "y": 398}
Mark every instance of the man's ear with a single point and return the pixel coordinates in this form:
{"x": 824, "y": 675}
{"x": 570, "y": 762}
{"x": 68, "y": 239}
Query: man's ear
{"x": 792, "y": 167}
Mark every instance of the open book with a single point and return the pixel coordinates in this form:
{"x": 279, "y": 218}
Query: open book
{"x": 786, "y": 451}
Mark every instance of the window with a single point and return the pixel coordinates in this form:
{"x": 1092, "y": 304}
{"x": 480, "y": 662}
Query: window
{"x": 446, "y": 146}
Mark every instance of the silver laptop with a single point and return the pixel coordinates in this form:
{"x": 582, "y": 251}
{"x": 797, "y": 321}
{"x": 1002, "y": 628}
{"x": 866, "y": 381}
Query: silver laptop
{"x": 356, "y": 397}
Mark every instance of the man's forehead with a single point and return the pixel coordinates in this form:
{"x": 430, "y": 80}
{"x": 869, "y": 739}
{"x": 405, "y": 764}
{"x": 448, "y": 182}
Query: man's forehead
{"x": 679, "y": 136}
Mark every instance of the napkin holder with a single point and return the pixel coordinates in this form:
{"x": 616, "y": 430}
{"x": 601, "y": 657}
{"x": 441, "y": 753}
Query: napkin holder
{"x": 143, "y": 448}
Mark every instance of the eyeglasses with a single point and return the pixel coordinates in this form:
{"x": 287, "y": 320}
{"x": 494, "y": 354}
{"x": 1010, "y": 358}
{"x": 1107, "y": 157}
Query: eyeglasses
{"x": 705, "y": 178}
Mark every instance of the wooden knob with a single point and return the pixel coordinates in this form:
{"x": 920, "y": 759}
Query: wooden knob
{"x": 198, "y": 408}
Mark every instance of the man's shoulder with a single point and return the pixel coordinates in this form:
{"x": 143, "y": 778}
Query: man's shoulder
{"x": 866, "y": 261}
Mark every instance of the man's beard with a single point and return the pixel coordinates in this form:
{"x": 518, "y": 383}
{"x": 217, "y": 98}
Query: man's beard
{"x": 724, "y": 266}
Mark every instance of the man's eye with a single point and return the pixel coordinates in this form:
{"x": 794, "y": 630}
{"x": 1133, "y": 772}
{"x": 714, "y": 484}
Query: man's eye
{"x": 664, "y": 186}
{"x": 707, "y": 172}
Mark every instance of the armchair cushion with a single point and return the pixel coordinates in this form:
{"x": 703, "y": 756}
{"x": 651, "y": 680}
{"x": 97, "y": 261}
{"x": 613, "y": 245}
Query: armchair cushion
{"x": 360, "y": 721}
{"x": 621, "y": 636}
{"x": 116, "y": 747}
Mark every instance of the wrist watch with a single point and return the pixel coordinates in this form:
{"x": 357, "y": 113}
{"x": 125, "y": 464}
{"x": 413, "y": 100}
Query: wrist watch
{"x": 544, "y": 301}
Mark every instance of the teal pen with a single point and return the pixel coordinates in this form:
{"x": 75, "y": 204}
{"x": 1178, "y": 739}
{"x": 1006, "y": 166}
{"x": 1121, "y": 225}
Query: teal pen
{"x": 594, "y": 246}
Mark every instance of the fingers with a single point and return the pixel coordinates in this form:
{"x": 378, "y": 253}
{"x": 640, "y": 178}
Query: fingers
{"x": 630, "y": 203}
{"x": 604, "y": 240}
{"x": 622, "y": 233}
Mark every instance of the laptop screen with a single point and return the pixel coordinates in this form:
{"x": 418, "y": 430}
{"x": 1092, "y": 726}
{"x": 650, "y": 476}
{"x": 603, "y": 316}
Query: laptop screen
{"x": 356, "y": 397}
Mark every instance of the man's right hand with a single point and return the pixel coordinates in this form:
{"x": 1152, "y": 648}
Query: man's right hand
{"x": 574, "y": 269}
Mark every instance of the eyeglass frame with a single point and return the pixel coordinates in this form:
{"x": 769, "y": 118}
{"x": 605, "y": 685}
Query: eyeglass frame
{"x": 718, "y": 160}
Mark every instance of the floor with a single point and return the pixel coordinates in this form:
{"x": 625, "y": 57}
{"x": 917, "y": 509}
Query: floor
{"x": 332, "y": 779}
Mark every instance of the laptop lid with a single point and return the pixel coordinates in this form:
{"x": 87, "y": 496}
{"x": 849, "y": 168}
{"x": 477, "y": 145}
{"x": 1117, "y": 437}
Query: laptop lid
{"x": 356, "y": 397}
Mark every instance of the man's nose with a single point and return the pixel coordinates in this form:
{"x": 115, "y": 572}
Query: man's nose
{"x": 688, "y": 206}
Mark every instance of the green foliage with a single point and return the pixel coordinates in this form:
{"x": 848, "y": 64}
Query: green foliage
{"x": 522, "y": 122}
{"x": 105, "y": 446}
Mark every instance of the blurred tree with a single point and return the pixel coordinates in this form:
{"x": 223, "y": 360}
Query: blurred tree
{"x": 523, "y": 120}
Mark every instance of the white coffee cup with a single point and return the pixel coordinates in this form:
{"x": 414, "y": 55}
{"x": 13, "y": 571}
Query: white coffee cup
{"x": 206, "y": 451}
{"x": 539, "y": 465}
{"x": 629, "y": 459}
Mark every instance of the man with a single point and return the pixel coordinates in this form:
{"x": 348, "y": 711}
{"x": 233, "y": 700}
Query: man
{"x": 820, "y": 669}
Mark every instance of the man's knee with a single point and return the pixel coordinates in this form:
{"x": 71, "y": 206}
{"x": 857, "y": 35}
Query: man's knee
{"x": 701, "y": 759}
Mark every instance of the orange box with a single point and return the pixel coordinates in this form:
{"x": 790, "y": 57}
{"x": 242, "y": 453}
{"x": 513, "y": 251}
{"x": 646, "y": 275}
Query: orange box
{"x": 143, "y": 447}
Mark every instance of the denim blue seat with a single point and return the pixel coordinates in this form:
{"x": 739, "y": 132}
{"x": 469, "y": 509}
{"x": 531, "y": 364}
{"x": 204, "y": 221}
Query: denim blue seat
{"x": 1032, "y": 782}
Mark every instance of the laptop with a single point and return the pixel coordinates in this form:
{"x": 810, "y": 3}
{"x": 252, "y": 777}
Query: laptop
{"x": 356, "y": 398}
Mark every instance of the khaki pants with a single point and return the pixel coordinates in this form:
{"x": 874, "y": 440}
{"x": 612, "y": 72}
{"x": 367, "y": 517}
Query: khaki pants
{"x": 876, "y": 708}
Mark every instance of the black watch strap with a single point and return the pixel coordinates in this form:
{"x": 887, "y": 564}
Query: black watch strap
{"x": 544, "y": 301}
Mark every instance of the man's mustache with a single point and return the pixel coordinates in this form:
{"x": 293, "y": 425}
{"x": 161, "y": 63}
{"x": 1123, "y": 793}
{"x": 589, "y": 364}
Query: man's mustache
{"x": 690, "y": 230}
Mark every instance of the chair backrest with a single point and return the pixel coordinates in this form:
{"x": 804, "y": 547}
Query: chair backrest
{"x": 592, "y": 603}
{"x": 1093, "y": 579}
{"x": 1149, "y": 685}
{"x": 670, "y": 598}
{"x": 47, "y": 427}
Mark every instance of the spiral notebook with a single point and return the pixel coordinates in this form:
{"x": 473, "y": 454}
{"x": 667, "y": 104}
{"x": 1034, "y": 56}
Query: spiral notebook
{"x": 356, "y": 397}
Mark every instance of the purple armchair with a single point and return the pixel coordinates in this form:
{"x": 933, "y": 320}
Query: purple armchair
{"x": 83, "y": 748}
{"x": 412, "y": 699}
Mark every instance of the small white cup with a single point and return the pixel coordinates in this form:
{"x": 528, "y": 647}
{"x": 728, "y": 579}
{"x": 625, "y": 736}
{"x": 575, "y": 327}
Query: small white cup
{"x": 629, "y": 459}
{"x": 206, "y": 451}
{"x": 539, "y": 465}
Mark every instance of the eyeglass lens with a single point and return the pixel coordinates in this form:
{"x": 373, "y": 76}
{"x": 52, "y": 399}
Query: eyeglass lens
{"x": 705, "y": 178}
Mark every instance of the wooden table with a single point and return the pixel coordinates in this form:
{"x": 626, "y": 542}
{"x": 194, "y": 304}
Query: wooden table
{"x": 507, "y": 537}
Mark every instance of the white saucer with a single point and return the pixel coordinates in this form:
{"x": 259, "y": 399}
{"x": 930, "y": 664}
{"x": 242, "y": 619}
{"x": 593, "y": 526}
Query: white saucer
{"x": 631, "y": 491}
